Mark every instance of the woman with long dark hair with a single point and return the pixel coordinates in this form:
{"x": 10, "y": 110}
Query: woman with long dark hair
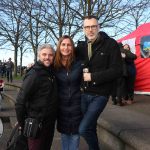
{"x": 68, "y": 72}
{"x": 130, "y": 80}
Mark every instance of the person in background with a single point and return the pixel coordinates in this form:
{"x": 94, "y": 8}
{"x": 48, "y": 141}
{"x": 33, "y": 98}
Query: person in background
{"x": 1, "y": 68}
{"x": 121, "y": 82}
{"x": 68, "y": 72}
{"x": 9, "y": 70}
{"x": 114, "y": 93}
{"x": 3, "y": 75}
{"x": 118, "y": 89}
{"x": 37, "y": 98}
{"x": 29, "y": 66}
{"x": 130, "y": 80}
{"x": 1, "y": 90}
{"x": 102, "y": 63}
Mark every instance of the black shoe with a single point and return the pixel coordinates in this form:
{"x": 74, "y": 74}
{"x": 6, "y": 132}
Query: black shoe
{"x": 121, "y": 104}
{"x": 126, "y": 97}
{"x": 114, "y": 101}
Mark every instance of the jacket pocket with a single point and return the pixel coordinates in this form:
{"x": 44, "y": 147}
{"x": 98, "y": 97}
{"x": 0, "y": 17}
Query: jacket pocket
{"x": 100, "y": 60}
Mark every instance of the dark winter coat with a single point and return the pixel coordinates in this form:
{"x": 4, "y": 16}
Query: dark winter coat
{"x": 130, "y": 64}
{"x": 37, "y": 97}
{"x": 128, "y": 61}
{"x": 69, "y": 97}
{"x": 105, "y": 64}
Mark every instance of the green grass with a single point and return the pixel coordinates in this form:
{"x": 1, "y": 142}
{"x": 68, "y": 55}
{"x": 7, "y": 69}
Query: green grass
{"x": 18, "y": 77}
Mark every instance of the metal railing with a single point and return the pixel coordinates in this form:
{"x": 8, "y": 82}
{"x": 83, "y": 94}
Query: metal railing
{"x": 7, "y": 87}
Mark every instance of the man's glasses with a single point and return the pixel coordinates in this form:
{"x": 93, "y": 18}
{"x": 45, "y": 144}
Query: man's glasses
{"x": 94, "y": 27}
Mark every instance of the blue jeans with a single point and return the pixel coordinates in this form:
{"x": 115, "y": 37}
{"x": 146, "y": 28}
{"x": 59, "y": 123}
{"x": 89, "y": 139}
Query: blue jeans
{"x": 92, "y": 106}
{"x": 70, "y": 142}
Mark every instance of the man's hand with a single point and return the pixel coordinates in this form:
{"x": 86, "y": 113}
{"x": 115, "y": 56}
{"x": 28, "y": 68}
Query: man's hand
{"x": 87, "y": 76}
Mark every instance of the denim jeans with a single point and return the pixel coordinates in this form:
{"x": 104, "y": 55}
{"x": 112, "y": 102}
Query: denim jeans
{"x": 92, "y": 106}
{"x": 70, "y": 142}
{"x": 9, "y": 75}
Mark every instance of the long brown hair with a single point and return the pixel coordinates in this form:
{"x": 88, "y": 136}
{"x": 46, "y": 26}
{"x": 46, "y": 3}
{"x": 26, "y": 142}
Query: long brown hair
{"x": 58, "y": 57}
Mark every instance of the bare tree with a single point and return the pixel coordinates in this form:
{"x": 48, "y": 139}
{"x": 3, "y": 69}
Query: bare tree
{"x": 35, "y": 33}
{"x": 26, "y": 24}
{"x": 60, "y": 19}
{"x": 10, "y": 26}
{"x": 137, "y": 14}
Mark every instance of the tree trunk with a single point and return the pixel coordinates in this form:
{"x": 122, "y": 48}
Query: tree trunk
{"x": 15, "y": 62}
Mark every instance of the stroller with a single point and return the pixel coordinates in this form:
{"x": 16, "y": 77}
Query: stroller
{"x": 1, "y": 90}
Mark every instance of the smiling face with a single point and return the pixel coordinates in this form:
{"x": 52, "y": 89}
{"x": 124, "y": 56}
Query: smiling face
{"x": 91, "y": 29}
{"x": 66, "y": 47}
{"x": 46, "y": 56}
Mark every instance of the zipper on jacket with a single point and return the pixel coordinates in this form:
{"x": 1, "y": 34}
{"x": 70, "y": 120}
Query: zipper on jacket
{"x": 69, "y": 83}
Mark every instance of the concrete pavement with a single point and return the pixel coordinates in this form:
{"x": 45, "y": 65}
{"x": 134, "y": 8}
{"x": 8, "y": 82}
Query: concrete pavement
{"x": 127, "y": 127}
{"x": 1, "y": 128}
{"x": 120, "y": 128}
{"x": 8, "y": 117}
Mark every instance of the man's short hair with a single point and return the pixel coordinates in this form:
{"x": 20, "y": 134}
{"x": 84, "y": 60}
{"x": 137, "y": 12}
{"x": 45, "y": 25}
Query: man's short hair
{"x": 90, "y": 17}
{"x": 48, "y": 46}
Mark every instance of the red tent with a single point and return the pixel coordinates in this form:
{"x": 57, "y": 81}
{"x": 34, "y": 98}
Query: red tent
{"x": 139, "y": 41}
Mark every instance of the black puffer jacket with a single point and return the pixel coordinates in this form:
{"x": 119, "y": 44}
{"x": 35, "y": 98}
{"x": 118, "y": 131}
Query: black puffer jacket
{"x": 69, "y": 112}
{"x": 105, "y": 64}
{"x": 38, "y": 95}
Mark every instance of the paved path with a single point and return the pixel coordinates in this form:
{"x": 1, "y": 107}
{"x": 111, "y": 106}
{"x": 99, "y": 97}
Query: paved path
{"x": 8, "y": 114}
{"x": 1, "y": 125}
{"x": 129, "y": 125}
{"x": 127, "y": 122}
{"x": 1, "y": 128}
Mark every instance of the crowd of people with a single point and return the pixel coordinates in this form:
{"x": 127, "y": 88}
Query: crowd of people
{"x": 6, "y": 69}
{"x": 71, "y": 87}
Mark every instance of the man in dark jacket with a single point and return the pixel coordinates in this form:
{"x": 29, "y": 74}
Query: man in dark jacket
{"x": 9, "y": 70}
{"x": 37, "y": 98}
{"x": 102, "y": 62}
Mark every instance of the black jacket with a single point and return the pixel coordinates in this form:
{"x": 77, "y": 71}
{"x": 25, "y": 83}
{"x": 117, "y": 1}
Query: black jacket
{"x": 131, "y": 57}
{"x": 105, "y": 64}
{"x": 128, "y": 62}
{"x": 37, "y": 97}
{"x": 69, "y": 96}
